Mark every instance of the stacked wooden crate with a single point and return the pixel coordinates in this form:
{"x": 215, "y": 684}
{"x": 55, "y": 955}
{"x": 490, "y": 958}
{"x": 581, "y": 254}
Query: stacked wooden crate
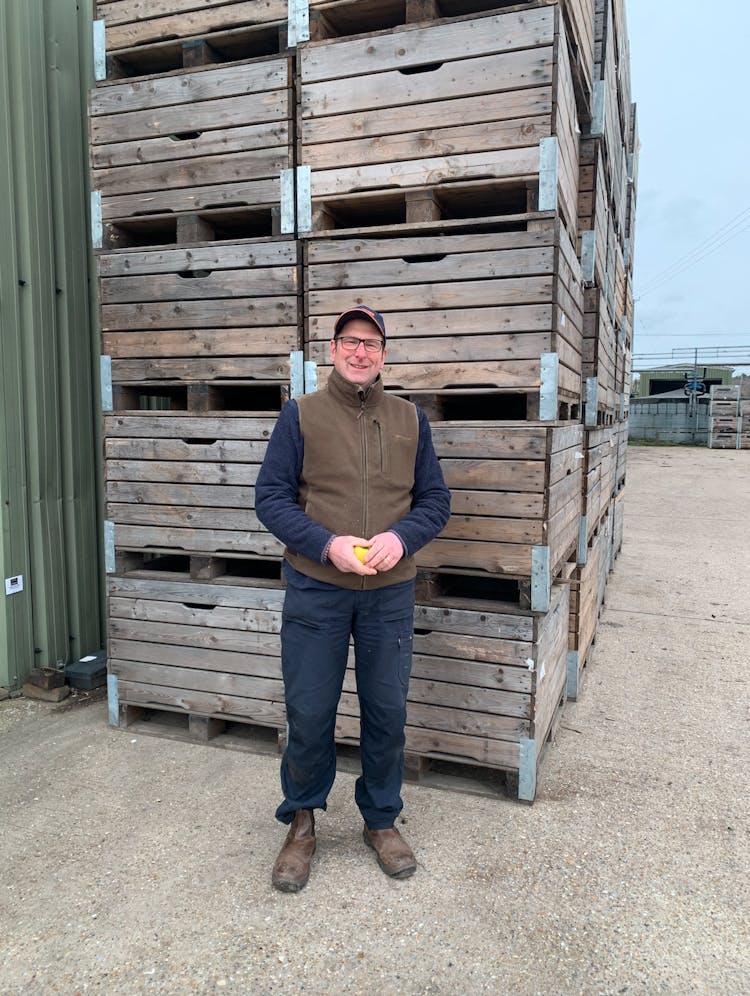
{"x": 744, "y": 424}
{"x": 438, "y": 174}
{"x": 725, "y": 430}
{"x": 199, "y": 285}
{"x": 259, "y": 167}
{"x": 606, "y": 219}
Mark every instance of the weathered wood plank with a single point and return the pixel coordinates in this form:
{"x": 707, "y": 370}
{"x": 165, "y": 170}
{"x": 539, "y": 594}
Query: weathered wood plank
{"x": 407, "y": 49}
{"x": 247, "y": 254}
{"x": 484, "y": 74}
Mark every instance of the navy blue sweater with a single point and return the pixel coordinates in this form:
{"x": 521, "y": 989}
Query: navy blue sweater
{"x": 276, "y": 493}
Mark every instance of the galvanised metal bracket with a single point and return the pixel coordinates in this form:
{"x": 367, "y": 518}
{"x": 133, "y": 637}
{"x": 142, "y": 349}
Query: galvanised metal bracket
{"x": 311, "y": 377}
{"x": 549, "y": 377}
{"x": 287, "y": 194}
{"x": 598, "y": 109}
{"x": 105, "y": 376}
{"x": 100, "y": 50}
{"x": 572, "y": 675}
{"x": 626, "y": 252}
{"x": 583, "y": 544}
{"x": 304, "y": 198}
{"x": 592, "y": 402}
{"x": 109, "y": 546}
{"x": 298, "y": 24}
{"x": 296, "y": 373}
{"x": 540, "y": 578}
{"x": 97, "y": 228}
{"x": 588, "y": 256}
{"x": 548, "y": 174}
{"x": 113, "y": 701}
{"x": 527, "y": 769}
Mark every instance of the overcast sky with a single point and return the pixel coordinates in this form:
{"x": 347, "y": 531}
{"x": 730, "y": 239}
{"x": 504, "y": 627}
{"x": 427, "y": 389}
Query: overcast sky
{"x": 689, "y": 64}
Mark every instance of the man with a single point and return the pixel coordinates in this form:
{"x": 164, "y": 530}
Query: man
{"x": 348, "y": 466}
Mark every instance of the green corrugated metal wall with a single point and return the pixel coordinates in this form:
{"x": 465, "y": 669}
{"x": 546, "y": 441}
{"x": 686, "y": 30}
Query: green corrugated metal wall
{"x": 49, "y": 463}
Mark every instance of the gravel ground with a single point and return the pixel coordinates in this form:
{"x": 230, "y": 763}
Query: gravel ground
{"x": 133, "y": 864}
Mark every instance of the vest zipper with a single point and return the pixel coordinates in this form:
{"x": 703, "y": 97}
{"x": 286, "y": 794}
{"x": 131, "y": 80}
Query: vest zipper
{"x": 363, "y": 427}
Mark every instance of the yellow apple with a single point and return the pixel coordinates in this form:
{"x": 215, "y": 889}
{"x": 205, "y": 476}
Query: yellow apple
{"x": 360, "y": 552}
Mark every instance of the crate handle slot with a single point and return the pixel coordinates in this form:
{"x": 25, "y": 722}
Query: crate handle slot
{"x": 199, "y": 442}
{"x": 427, "y": 258}
{"x": 194, "y": 274}
{"x": 427, "y": 67}
{"x": 185, "y": 136}
{"x": 197, "y": 605}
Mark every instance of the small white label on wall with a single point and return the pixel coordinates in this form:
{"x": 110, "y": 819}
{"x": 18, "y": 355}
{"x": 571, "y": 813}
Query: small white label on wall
{"x": 14, "y": 585}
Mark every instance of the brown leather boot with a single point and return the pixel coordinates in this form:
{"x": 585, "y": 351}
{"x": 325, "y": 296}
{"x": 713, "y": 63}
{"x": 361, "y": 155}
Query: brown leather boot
{"x": 291, "y": 869}
{"x": 394, "y": 855}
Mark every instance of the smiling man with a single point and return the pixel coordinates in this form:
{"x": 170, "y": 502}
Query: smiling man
{"x": 348, "y": 466}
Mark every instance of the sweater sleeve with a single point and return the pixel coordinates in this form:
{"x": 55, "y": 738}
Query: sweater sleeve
{"x": 277, "y": 487}
{"x": 431, "y": 499}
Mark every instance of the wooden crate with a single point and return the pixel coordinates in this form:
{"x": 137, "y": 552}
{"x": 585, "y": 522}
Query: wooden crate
{"x": 173, "y": 34}
{"x": 587, "y": 589}
{"x": 594, "y": 197}
{"x": 485, "y": 102}
{"x": 463, "y": 311}
{"x": 210, "y": 649}
{"x": 487, "y": 685}
{"x": 192, "y": 142}
{"x": 221, "y": 311}
{"x": 599, "y": 354}
{"x": 612, "y": 118}
{"x": 724, "y": 431}
{"x": 487, "y": 680}
{"x": 599, "y": 473}
{"x": 621, "y": 430}
{"x": 618, "y": 514}
{"x": 515, "y": 499}
{"x": 744, "y": 438}
{"x": 724, "y": 401}
{"x": 179, "y": 483}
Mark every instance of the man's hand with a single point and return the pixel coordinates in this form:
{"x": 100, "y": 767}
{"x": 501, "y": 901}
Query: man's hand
{"x": 385, "y": 551}
{"x": 341, "y": 555}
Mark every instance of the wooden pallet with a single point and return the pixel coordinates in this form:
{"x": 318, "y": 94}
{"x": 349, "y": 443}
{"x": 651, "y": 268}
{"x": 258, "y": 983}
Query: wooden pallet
{"x": 204, "y": 139}
{"x": 515, "y": 498}
{"x": 497, "y": 88}
{"x": 487, "y": 679}
{"x": 464, "y": 312}
{"x": 205, "y": 313}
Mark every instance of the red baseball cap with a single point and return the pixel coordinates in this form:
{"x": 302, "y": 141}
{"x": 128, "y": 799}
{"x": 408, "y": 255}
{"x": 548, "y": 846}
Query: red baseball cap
{"x": 360, "y": 312}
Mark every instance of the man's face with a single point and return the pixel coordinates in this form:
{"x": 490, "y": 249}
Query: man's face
{"x": 359, "y": 366}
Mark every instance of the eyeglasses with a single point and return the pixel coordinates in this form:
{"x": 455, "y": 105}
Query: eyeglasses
{"x": 350, "y": 343}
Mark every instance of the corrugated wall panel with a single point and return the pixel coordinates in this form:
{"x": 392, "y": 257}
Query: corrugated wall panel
{"x": 48, "y": 473}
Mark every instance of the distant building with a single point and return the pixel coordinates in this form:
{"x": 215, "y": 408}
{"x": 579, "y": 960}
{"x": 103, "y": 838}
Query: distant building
{"x": 676, "y": 376}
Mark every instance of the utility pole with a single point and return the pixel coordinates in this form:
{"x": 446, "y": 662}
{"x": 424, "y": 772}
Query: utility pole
{"x": 694, "y": 393}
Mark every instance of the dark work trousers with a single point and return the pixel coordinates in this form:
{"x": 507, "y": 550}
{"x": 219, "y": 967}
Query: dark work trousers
{"x": 315, "y": 631}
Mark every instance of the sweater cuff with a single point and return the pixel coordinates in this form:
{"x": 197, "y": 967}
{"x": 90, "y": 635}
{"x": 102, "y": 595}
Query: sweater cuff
{"x": 326, "y": 548}
{"x": 401, "y": 541}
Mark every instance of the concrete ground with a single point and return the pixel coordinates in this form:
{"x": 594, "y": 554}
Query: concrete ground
{"x": 132, "y": 864}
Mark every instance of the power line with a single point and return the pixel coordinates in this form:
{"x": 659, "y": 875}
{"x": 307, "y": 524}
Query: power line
{"x": 736, "y": 221}
{"x": 726, "y": 233}
{"x": 687, "y": 335}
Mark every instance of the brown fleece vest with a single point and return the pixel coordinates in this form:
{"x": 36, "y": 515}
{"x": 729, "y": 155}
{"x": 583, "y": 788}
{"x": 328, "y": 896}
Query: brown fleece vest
{"x": 357, "y": 472}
